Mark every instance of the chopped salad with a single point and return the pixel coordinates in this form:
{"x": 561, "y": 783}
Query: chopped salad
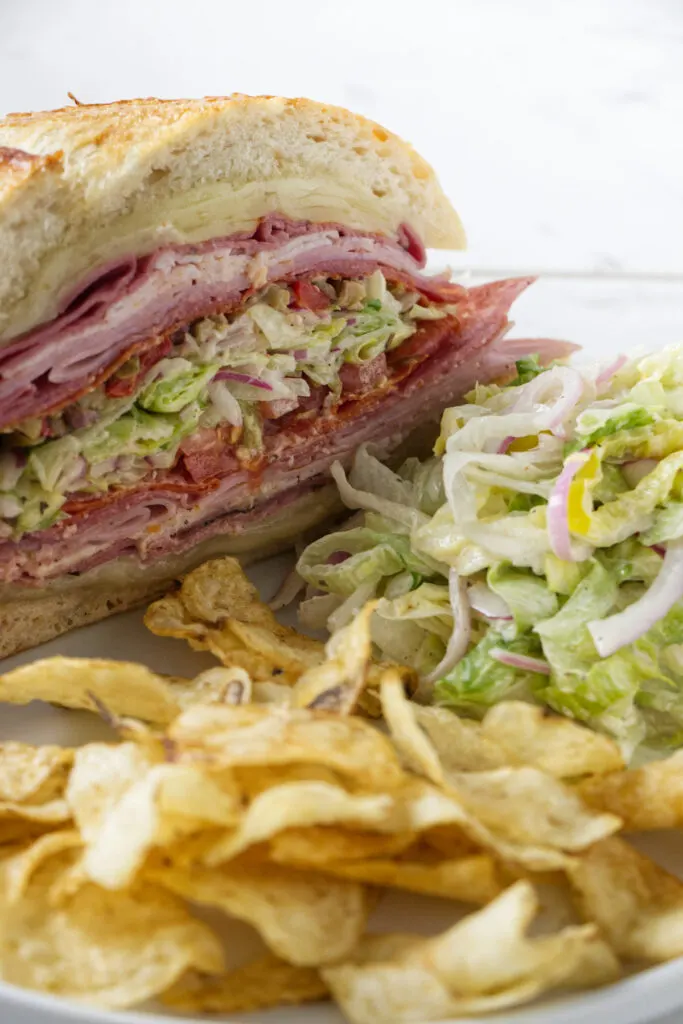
{"x": 537, "y": 555}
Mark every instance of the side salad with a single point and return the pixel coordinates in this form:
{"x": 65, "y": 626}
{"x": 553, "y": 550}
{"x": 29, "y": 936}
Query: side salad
{"x": 537, "y": 555}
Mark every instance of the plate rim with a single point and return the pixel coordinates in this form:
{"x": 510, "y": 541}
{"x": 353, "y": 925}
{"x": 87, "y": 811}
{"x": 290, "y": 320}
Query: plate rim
{"x": 627, "y": 994}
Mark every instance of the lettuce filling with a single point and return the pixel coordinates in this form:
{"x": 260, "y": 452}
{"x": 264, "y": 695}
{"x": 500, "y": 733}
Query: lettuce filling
{"x": 236, "y": 371}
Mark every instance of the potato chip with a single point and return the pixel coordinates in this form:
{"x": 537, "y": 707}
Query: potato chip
{"x": 484, "y": 962}
{"x": 219, "y": 610}
{"x": 458, "y": 742}
{"x": 415, "y": 749}
{"x": 519, "y": 814}
{"x": 125, "y": 804}
{"x": 107, "y": 949}
{"x": 19, "y": 831}
{"x": 318, "y": 844}
{"x": 645, "y": 798}
{"x": 119, "y": 688}
{"x": 296, "y": 804}
{"x": 304, "y": 917}
{"x": 264, "y": 983}
{"x": 527, "y": 735}
{"x": 122, "y": 687}
{"x": 53, "y": 812}
{"x": 21, "y": 867}
{"x": 526, "y": 807}
{"x": 276, "y": 735}
{"x": 473, "y": 879}
{"x": 215, "y": 686}
{"x": 254, "y": 779}
{"x": 636, "y": 903}
{"x": 170, "y": 803}
{"x": 101, "y": 774}
{"x": 271, "y": 693}
{"x": 336, "y": 684}
{"x": 33, "y": 774}
{"x": 514, "y": 734}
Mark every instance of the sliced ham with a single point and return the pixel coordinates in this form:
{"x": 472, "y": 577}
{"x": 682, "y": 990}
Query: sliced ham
{"x": 118, "y": 309}
{"x": 171, "y": 511}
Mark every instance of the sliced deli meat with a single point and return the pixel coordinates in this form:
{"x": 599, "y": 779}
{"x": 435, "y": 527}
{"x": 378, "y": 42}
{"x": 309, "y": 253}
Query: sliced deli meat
{"x": 203, "y": 305}
{"x": 117, "y": 311}
{"x": 214, "y": 483}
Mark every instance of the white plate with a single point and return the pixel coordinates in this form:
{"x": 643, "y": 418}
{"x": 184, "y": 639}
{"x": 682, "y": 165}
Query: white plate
{"x": 606, "y": 317}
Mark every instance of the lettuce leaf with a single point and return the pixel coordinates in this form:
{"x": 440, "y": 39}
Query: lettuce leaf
{"x": 479, "y": 681}
{"x": 594, "y": 425}
{"x": 527, "y": 368}
{"x": 567, "y": 644}
{"x": 667, "y": 524}
{"x": 527, "y": 596}
{"x": 632, "y": 511}
{"x": 371, "y": 557}
{"x": 177, "y": 386}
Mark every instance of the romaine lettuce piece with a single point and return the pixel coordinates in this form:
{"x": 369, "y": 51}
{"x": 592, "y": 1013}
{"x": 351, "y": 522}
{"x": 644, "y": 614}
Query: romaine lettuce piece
{"x": 479, "y": 681}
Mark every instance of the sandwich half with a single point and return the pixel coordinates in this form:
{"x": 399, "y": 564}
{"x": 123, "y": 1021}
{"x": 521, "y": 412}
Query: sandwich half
{"x": 203, "y": 304}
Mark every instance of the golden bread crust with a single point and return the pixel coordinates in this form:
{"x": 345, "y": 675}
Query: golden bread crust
{"x": 128, "y": 176}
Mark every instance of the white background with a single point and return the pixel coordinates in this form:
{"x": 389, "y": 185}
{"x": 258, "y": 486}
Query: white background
{"x": 556, "y": 126}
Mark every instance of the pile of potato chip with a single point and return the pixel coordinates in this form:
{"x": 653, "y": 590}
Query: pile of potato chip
{"x": 264, "y": 791}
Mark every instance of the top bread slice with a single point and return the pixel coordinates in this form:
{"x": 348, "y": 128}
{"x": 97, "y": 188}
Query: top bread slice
{"x": 85, "y": 185}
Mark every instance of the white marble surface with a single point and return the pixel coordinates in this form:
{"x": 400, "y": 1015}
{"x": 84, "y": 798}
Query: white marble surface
{"x": 555, "y": 126}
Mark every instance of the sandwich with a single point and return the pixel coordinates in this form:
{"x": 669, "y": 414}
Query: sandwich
{"x": 203, "y": 305}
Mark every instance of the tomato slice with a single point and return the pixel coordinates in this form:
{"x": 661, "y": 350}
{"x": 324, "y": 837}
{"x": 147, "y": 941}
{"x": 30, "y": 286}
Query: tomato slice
{"x": 308, "y": 296}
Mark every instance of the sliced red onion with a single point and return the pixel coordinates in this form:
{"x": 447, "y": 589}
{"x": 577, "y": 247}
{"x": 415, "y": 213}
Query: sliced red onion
{"x": 301, "y": 354}
{"x": 243, "y": 378}
{"x": 605, "y": 376}
{"x": 558, "y": 513}
{"x": 337, "y": 557}
{"x": 505, "y": 444}
{"x": 627, "y": 626}
{"x": 484, "y": 601}
{"x": 522, "y": 661}
{"x": 634, "y": 472}
{"x": 534, "y": 394}
{"x": 661, "y": 551}
{"x": 462, "y": 628}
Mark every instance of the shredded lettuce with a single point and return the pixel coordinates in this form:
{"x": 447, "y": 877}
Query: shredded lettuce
{"x": 527, "y": 596}
{"x": 595, "y": 425}
{"x": 527, "y": 368}
{"x": 479, "y": 681}
{"x": 220, "y": 370}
